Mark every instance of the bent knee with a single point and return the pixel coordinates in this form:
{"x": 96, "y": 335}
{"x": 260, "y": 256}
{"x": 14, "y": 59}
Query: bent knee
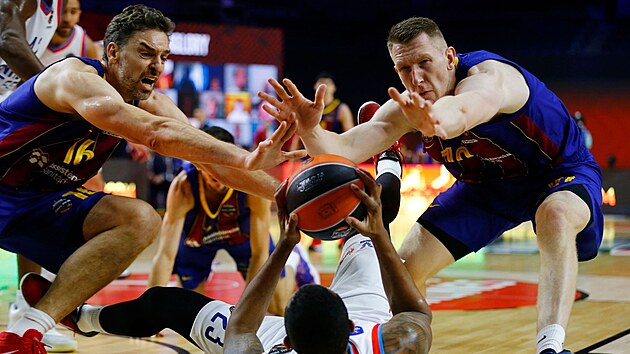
{"x": 132, "y": 217}
{"x": 562, "y": 215}
{"x": 144, "y": 221}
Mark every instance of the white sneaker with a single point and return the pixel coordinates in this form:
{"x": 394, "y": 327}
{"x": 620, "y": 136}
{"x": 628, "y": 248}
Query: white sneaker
{"x": 17, "y": 308}
{"x": 55, "y": 341}
{"x": 59, "y": 343}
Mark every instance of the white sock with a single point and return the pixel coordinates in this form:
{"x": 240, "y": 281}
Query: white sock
{"x": 33, "y": 318}
{"x": 389, "y": 166}
{"x": 89, "y": 319}
{"x": 550, "y": 337}
{"x": 50, "y": 276}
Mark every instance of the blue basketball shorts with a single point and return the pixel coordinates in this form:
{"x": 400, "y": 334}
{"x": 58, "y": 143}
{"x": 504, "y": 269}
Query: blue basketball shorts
{"x": 45, "y": 227}
{"x": 194, "y": 264}
{"x": 468, "y": 216}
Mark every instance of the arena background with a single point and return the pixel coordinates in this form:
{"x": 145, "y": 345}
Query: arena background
{"x": 579, "y": 48}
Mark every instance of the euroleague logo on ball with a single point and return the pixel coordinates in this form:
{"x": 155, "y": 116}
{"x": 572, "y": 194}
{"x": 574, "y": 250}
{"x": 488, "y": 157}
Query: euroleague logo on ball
{"x": 343, "y": 231}
{"x": 310, "y": 182}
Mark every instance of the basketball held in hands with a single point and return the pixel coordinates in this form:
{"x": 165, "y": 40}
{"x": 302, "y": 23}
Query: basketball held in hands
{"x": 319, "y": 193}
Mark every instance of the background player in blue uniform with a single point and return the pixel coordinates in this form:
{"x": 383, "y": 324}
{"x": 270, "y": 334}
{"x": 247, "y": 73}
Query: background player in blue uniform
{"x": 204, "y": 216}
{"x": 60, "y": 126}
{"x": 510, "y": 142}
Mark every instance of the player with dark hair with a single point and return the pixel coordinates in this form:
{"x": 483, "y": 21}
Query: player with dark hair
{"x": 312, "y": 329}
{"x": 60, "y": 127}
{"x": 512, "y": 145}
{"x": 204, "y": 216}
{"x": 372, "y": 305}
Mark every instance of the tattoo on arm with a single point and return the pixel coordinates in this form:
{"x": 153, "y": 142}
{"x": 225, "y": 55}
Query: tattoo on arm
{"x": 407, "y": 333}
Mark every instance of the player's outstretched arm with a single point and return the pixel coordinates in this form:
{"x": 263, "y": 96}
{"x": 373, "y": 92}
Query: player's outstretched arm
{"x": 240, "y": 336}
{"x": 72, "y": 86}
{"x": 356, "y": 144}
{"x": 14, "y": 49}
{"x": 491, "y": 88}
{"x": 409, "y": 330}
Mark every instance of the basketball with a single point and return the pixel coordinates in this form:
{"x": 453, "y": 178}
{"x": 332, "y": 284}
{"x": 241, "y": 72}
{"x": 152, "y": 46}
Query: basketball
{"x": 319, "y": 193}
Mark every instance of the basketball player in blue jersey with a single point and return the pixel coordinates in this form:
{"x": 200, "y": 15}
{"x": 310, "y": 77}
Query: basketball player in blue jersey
{"x": 371, "y": 307}
{"x": 204, "y": 216}
{"x": 59, "y": 127}
{"x": 510, "y": 142}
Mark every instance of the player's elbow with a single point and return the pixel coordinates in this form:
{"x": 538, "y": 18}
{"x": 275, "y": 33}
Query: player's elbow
{"x": 418, "y": 335}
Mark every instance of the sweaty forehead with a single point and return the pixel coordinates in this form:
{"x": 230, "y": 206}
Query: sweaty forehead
{"x": 150, "y": 39}
{"x": 414, "y": 50}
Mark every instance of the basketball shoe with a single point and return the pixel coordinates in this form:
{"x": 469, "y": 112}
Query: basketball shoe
{"x": 34, "y": 287}
{"x": 306, "y": 273}
{"x": 55, "y": 341}
{"x": 551, "y": 351}
{"x": 29, "y": 343}
{"x": 365, "y": 113}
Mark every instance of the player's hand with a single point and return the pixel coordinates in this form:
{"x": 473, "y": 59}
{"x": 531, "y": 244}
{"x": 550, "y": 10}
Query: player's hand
{"x": 269, "y": 152}
{"x": 372, "y": 226}
{"x": 418, "y": 113}
{"x": 288, "y": 223}
{"x": 308, "y": 113}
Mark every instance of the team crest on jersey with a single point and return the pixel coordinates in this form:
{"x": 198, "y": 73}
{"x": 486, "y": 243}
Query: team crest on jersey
{"x": 310, "y": 182}
{"x": 38, "y": 157}
{"x": 279, "y": 349}
{"x": 61, "y": 206}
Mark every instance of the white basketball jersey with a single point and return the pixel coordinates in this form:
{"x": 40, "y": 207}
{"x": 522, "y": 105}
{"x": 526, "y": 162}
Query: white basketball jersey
{"x": 76, "y": 45}
{"x": 39, "y": 30}
{"x": 357, "y": 281}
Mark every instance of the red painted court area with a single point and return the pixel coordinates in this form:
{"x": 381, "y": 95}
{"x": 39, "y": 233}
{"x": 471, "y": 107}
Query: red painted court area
{"x": 442, "y": 293}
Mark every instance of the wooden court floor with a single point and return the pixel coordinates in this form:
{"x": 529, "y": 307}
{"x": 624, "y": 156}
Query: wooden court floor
{"x": 600, "y": 323}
